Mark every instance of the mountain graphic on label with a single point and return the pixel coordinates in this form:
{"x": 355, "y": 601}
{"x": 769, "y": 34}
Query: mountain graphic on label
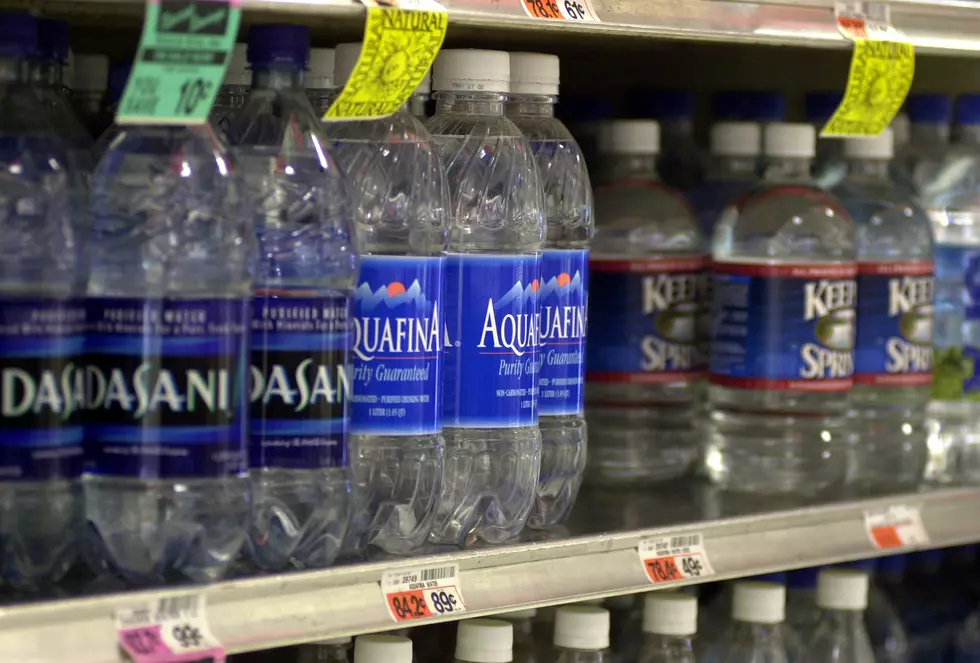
{"x": 916, "y": 325}
{"x": 392, "y": 295}
{"x": 518, "y": 294}
{"x": 562, "y": 285}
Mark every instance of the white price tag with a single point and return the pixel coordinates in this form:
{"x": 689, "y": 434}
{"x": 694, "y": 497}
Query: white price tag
{"x": 576, "y": 11}
{"x": 897, "y": 526}
{"x": 171, "y": 630}
{"x": 672, "y": 558}
{"x": 423, "y": 592}
{"x": 863, "y": 20}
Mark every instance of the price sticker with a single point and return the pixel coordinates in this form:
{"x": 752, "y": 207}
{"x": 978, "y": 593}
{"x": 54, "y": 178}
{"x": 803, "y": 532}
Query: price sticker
{"x": 561, "y": 10}
{"x": 171, "y": 630}
{"x": 423, "y": 592}
{"x": 896, "y": 526}
{"x": 401, "y": 41}
{"x": 881, "y": 73}
{"x": 183, "y": 53}
{"x": 673, "y": 558}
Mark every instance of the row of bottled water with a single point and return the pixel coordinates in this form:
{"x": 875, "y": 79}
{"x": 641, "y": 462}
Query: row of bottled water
{"x": 266, "y": 340}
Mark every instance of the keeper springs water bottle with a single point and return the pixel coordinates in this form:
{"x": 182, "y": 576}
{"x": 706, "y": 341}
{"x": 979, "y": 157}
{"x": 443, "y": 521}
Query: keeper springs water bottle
{"x": 929, "y": 123}
{"x": 234, "y": 89}
{"x": 782, "y": 351}
{"x": 840, "y": 635}
{"x": 493, "y": 275}
{"x": 829, "y": 165}
{"x": 304, "y": 282}
{"x": 670, "y": 620}
{"x": 564, "y": 283}
{"x": 757, "y": 634}
{"x": 733, "y": 170}
{"x": 401, "y": 201}
{"x": 645, "y": 363}
{"x": 680, "y": 162}
{"x": 893, "y": 347}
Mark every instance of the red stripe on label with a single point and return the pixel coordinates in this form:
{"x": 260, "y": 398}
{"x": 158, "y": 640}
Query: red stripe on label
{"x": 651, "y": 266}
{"x": 912, "y": 268}
{"x": 644, "y": 378}
{"x": 771, "y": 384}
{"x": 838, "y": 271}
{"x": 894, "y": 379}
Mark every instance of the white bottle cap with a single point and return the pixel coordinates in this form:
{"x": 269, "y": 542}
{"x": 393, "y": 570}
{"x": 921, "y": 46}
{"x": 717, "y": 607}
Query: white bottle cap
{"x": 485, "y": 641}
{"x": 881, "y": 146}
{"x": 582, "y": 627}
{"x": 382, "y": 649}
{"x": 670, "y": 613}
{"x": 759, "y": 602}
{"x": 533, "y": 73}
{"x": 90, "y": 73}
{"x": 237, "y": 72}
{"x": 629, "y": 137}
{"x": 783, "y": 139}
{"x": 471, "y": 70}
{"x": 736, "y": 139}
{"x": 842, "y": 589}
{"x": 320, "y": 75}
{"x": 529, "y": 613}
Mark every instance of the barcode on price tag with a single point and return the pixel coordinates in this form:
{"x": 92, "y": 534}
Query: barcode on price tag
{"x": 172, "y": 630}
{"x": 423, "y": 592}
{"x": 673, "y": 558}
{"x": 896, "y": 526}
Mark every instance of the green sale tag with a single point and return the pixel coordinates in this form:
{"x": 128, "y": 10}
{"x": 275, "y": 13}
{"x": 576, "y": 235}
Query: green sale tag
{"x": 182, "y": 57}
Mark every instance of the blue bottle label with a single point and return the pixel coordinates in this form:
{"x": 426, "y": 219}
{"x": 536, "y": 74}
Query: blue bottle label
{"x": 299, "y": 383}
{"x": 956, "y": 352}
{"x": 166, "y": 387}
{"x": 563, "y": 294}
{"x": 785, "y": 327}
{"x": 398, "y": 334}
{"x": 651, "y": 315}
{"x": 41, "y": 388}
{"x": 894, "y": 324}
{"x": 491, "y": 345}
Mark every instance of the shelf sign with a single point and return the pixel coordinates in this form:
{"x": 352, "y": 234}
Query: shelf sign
{"x": 897, "y": 526}
{"x": 561, "y": 10}
{"x": 423, "y": 592}
{"x": 673, "y": 558}
{"x": 401, "y": 41}
{"x": 183, "y": 53}
{"x": 881, "y": 73}
{"x": 170, "y": 630}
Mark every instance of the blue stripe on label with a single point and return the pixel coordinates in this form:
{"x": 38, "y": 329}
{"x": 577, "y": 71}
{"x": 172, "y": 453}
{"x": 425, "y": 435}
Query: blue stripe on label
{"x": 564, "y": 292}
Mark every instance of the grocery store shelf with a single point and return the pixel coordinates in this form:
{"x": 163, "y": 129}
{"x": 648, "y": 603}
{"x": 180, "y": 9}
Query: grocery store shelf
{"x": 597, "y": 557}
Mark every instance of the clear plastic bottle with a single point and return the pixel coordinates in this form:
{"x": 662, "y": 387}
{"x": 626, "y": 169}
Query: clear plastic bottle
{"x": 782, "y": 353}
{"x": 304, "y": 284}
{"x": 234, "y": 89}
{"x": 525, "y": 647}
{"x": 564, "y": 284}
{"x": 118, "y": 77}
{"x": 401, "y": 202}
{"x": 42, "y": 326}
{"x": 757, "y": 636}
{"x": 418, "y": 103}
{"x": 885, "y": 629}
{"x": 644, "y": 363}
{"x": 893, "y": 346}
{"x": 381, "y": 648}
{"x": 802, "y": 613}
{"x": 484, "y": 640}
{"x": 840, "y": 636}
{"x": 929, "y": 126}
{"x": 670, "y": 621}
{"x": 829, "y": 166}
{"x": 173, "y": 251}
{"x": 333, "y": 651}
{"x": 490, "y": 383}
{"x": 583, "y": 116}
{"x": 680, "y": 162}
{"x": 90, "y": 79}
{"x": 733, "y": 170}
{"x": 582, "y": 634}
{"x": 320, "y": 82}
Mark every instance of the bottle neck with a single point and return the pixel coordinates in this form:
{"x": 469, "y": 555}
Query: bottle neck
{"x": 868, "y": 170}
{"x": 681, "y": 127}
{"x": 788, "y": 169}
{"x": 843, "y": 620}
{"x": 631, "y": 167}
{"x": 661, "y": 642}
{"x": 760, "y": 634}
{"x": 278, "y": 78}
{"x": 470, "y": 103}
{"x": 923, "y": 133}
{"x": 48, "y": 72}
{"x": 531, "y": 105}
{"x": 14, "y": 69}
{"x": 968, "y": 134}
{"x": 734, "y": 168}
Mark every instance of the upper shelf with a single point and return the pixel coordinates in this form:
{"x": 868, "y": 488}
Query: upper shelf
{"x": 598, "y": 559}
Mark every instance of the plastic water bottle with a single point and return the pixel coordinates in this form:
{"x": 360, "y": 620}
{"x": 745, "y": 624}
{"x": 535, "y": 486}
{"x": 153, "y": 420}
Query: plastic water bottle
{"x": 564, "y": 283}
{"x": 757, "y": 636}
{"x": 49, "y": 84}
{"x": 885, "y": 629}
{"x": 829, "y": 166}
{"x": 401, "y": 210}
{"x": 583, "y": 116}
{"x": 304, "y": 284}
{"x": 483, "y": 640}
{"x": 840, "y": 636}
{"x": 645, "y": 361}
{"x": 680, "y": 161}
{"x": 333, "y": 651}
{"x": 234, "y": 89}
{"x": 782, "y": 353}
{"x": 582, "y": 634}
{"x": 902, "y": 130}
{"x": 802, "y": 613}
{"x": 670, "y": 621}
{"x": 381, "y": 648}
{"x": 42, "y": 325}
{"x": 118, "y": 77}
{"x": 418, "y": 103}
{"x": 525, "y": 647}
{"x": 893, "y": 347}
{"x": 733, "y": 171}
{"x": 929, "y": 121}
{"x": 90, "y": 78}
{"x": 320, "y": 87}
{"x": 493, "y": 275}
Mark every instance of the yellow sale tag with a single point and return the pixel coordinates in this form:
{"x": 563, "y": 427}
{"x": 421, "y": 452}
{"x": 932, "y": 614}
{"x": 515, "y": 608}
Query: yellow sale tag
{"x": 401, "y": 41}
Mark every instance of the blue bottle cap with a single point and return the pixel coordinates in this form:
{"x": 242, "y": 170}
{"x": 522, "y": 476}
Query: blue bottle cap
{"x": 279, "y": 44}
{"x": 18, "y": 35}
{"x": 766, "y": 107}
{"x": 731, "y": 106}
{"x": 929, "y": 108}
{"x": 804, "y": 578}
{"x": 968, "y": 109}
{"x": 821, "y": 105}
{"x": 584, "y": 109}
{"x": 893, "y": 564}
{"x": 664, "y": 105}
{"x": 118, "y": 77}
{"x": 53, "y": 39}
{"x": 779, "y": 577}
